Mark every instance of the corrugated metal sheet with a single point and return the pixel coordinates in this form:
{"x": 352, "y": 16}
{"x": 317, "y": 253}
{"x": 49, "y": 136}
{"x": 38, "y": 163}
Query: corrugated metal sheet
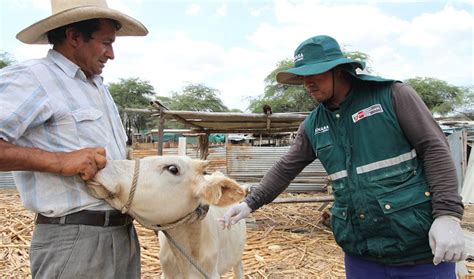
{"x": 216, "y": 157}
{"x": 458, "y": 146}
{"x": 249, "y": 163}
{"x": 6, "y": 180}
{"x": 467, "y": 192}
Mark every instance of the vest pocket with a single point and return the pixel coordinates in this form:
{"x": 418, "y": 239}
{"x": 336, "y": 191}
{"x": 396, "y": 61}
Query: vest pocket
{"x": 408, "y": 214}
{"x": 341, "y": 226}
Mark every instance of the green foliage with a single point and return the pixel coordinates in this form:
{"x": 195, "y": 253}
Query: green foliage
{"x": 282, "y": 98}
{"x": 193, "y": 97}
{"x": 285, "y": 98}
{"x": 133, "y": 93}
{"x": 466, "y": 108}
{"x": 439, "y": 96}
{"x": 167, "y": 102}
{"x": 197, "y": 97}
{"x": 360, "y": 56}
{"x": 5, "y": 59}
{"x": 468, "y": 100}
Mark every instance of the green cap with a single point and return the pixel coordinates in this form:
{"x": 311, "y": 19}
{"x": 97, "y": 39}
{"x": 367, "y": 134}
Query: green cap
{"x": 314, "y": 56}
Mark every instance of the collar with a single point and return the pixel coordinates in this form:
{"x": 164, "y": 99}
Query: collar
{"x": 69, "y": 68}
{"x": 343, "y": 103}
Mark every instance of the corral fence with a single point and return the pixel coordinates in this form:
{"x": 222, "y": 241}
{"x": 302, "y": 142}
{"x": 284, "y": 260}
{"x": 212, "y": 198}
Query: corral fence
{"x": 248, "y": 164}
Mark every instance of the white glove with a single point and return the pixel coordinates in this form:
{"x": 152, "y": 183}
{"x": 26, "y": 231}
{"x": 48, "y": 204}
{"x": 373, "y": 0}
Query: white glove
{"x": 447, "y": 240}
{"x": 234, "y": 214}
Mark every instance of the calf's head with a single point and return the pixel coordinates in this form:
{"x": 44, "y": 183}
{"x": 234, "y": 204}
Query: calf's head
{"x": 168, "y": 187}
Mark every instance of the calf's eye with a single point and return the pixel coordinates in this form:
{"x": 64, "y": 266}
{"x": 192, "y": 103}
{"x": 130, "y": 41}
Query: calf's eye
{"x": 172, "y": 169}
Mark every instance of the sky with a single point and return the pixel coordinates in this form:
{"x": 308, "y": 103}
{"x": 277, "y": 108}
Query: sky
{"x": 233, "y": 45}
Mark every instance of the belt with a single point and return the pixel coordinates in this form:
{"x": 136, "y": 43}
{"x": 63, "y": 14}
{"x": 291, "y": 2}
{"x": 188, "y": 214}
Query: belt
{"x": 89, "y": 218}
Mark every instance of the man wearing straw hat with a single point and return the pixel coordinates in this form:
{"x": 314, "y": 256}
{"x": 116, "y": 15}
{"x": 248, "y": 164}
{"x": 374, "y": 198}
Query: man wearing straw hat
{"x": 396, "y": 210}
{"x": 58, "y": 126}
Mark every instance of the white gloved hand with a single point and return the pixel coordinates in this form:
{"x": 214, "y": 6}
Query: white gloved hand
{"x": 234, "y": 214}
{"x": 447, "y": 240}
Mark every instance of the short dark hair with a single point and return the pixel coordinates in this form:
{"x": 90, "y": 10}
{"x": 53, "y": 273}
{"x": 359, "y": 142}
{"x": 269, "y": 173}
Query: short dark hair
{"x": 85, "y": 27}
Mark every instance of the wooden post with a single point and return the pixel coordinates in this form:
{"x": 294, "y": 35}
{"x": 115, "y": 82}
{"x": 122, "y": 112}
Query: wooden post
{"x": 203, "y": 146}
{"x": 161, "y": 128}
{"x": 182, "y": 146}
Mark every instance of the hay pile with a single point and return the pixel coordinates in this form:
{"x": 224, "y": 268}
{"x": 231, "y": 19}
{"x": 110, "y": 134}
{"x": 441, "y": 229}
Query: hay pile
{"x": 280, "y": 243}
{"x": 283, "y": 241}
{"x": 15, "y": 235}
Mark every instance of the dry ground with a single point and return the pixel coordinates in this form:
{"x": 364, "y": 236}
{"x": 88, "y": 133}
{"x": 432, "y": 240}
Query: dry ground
{"x": 284, "y": 241}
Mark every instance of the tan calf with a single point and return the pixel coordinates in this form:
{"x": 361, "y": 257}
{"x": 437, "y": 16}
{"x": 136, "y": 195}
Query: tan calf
{"x": 169, "y": 188}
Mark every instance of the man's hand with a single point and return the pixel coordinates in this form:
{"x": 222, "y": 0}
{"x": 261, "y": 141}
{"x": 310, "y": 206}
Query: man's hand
{"x": 447, "y": 240}
{"x": 234, "y": 214}
{"x": 84, "y": 162}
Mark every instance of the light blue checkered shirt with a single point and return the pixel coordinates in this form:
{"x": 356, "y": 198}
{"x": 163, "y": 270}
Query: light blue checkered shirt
{"x": 50, "y": 104}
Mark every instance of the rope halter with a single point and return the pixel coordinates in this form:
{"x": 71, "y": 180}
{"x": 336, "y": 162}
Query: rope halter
{"x": 136, "y": 172}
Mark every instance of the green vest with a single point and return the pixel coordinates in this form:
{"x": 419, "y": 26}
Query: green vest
{"x": 382, "y": 207}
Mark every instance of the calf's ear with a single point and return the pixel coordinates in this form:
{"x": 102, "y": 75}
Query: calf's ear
{"x": 200, "y": 166}
{"x": 221, "y": 191}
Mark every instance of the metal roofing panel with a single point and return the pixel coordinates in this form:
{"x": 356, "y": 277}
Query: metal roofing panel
{"x": 6, "y": 180}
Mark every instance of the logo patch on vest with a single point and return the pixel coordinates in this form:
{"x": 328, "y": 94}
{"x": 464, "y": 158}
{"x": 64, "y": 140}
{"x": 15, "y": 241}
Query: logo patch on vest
{"x": 320, "y": 130}
{"x": 361, "y": 114}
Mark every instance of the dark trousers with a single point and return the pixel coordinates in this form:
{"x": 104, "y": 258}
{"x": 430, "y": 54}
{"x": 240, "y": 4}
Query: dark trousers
{"x": 357, "y": 268}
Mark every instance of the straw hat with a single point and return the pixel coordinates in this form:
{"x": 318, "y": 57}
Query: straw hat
{"x": 314, "y": 56}
{"x": 69, "y": 11}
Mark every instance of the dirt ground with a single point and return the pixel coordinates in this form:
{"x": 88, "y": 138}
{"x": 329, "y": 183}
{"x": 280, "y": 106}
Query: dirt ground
{"x": 283, "y": 241}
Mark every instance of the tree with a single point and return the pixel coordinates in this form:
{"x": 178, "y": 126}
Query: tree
{"x": 466, "y": 108}
{"x": 286, "y": 98}
{"x": 5, "y": 59}
{"x": 132, "y": 93}
{"x": 360, "y": 56}
{"x": 282, "y": 98}
{"x": 193, "y": 97}
{"x": 197, "y": 97}
{"x": 166, "y": 101}
{"x": 439, "y": 96}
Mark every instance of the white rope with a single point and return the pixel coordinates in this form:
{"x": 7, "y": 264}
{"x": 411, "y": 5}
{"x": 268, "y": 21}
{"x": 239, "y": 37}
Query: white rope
{"x": 136, "y": 172}
{"x": 186, "y": 255}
